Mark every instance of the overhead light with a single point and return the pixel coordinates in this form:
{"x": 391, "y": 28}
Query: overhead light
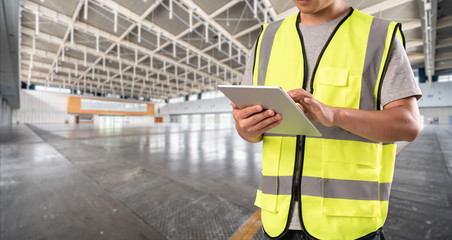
{"x": 62, "y": 53}
{"x": 139, "y": 33}
{"x": 85, "y": 12}
{"x": 188, "y": 57}
{"x": 174, "y": 50}
{"x": 136, "y": 56}
{"x": 33, "y": 45}
{"x": 227, "y": 17}
{"x": 84, "y": 58}
{"x": 191, "y": 20}
{"x": 97, "y": 44}
{"x": 219, "y": 41}
{"x": 115, "y": 25}
{"x": 119, "y": 51}
{"x": 255, "y": 9}
{"x": 158, "y": 40}
{"x": 37, "y": 23}
{"x": 207, "y": 32}
{"x": 170, "y": 9}
{"x": 72, "y": 35}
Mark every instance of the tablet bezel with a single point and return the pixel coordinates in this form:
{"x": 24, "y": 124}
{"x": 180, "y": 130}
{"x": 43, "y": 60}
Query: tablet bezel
{"x": 294, "y": 121}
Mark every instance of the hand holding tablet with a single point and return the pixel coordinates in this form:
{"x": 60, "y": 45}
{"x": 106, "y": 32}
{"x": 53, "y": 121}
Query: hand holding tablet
{"x": 294, "y": 121}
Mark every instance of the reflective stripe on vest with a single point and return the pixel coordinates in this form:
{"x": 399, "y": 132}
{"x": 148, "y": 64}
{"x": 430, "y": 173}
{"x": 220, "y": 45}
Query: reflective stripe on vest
{"x": 329, "y": 185}
{"x": 329, "y": 188}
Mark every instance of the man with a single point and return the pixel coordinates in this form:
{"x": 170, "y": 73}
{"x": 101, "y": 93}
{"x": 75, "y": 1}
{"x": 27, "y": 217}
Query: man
{"x": 351, "y": 76}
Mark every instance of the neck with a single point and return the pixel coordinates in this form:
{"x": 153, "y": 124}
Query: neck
{"x": 333, "y": 11}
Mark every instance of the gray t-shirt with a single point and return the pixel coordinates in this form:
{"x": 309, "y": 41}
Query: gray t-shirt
{"x": 399, "y": 80}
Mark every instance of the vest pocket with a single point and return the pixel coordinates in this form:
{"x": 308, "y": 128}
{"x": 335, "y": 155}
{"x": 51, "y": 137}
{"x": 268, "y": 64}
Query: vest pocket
{"x": 278, "y": 156}
{"x": 337, "y": 88}
{"x": 350, "y": 208}
{"x": 266, "y": 201}
{"x": 331, "y": 86}
{"x": 270, "y": 162}
{"x": 351, "y": 160}
{"x": 350, "y": 178}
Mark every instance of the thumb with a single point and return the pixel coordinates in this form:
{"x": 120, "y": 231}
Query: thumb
{"x": 234, "y": 106}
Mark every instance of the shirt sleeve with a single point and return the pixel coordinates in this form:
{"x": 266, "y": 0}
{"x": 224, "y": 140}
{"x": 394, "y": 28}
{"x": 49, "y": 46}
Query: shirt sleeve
{"x": 399, "y": 81}
{"x": 248, "y": 75}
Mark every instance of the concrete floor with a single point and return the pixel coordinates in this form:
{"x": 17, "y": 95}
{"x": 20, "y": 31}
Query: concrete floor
{"x": 174, "y": 181}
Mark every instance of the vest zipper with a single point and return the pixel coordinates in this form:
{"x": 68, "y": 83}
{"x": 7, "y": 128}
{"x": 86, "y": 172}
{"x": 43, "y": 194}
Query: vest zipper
{"x": 324, "y": 48}
{"x": 299, "y": 155}
{"x": 300, "y": 159}
{"x": 302, "y": 139}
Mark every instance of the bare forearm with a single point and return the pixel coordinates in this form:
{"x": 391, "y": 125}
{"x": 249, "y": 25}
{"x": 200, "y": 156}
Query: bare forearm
{"x": 398, "y": 123}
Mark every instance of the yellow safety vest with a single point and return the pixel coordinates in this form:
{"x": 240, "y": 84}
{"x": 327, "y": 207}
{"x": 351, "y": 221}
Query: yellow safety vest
{"x": 341, "y": 181}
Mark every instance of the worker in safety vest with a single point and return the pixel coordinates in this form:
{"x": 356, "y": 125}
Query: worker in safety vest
{"x": 351, "y": 76}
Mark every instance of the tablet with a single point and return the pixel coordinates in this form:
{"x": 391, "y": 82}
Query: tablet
{"x": 294, "y": 121}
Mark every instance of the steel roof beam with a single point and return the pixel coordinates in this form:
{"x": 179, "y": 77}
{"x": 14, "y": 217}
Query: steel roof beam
{"x": 444, "y": 22}
{"x": 443, "y": 66}
{"x": 95, "y": 31}
{"x": 91, "y": 51}
{"x": 61, "y": 79}
{"x": 443, "y": 43}
{"x": 248, "y": 30}
{"x": 416, "y": 58}
{"x": 413, "y": 44}
{"x": 70, "y": 23}
{"x": 217, "y": 26}
{"x": 447, "y": 56}
{"x": 414, "y": 24}
{"x": 134, "y": 17}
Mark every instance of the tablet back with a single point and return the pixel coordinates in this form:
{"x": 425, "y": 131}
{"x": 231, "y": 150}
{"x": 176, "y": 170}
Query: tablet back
{"x": 294, "y": 121}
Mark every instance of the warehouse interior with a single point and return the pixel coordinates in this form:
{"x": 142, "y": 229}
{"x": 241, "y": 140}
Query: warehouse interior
{"x": 112, "y": 125}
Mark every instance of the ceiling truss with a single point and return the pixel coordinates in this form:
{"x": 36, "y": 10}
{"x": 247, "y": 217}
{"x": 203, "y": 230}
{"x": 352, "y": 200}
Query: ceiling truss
{"x": 160, "y": 49}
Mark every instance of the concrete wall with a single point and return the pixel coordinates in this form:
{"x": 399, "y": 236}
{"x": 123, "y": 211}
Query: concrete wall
{"x": 213, "y": 105}
{"x": 206, "y": 111}
{"x": 443, "y": 114}
{"x": 120, "y": 120}
{"x": 10, "y": 51}
{"x": 436, "y": 102}
{"x": 39, "y": 107}
{"x": 42, "y": 107}
{"x": 224, "y": 119}
{"x": 5, "y": 110}
{"x": 436, "y": 95}
{"x": 50, "y": 107}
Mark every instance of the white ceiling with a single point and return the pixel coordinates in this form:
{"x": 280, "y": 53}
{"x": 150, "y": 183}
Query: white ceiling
{"x": 152, "y": 51}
